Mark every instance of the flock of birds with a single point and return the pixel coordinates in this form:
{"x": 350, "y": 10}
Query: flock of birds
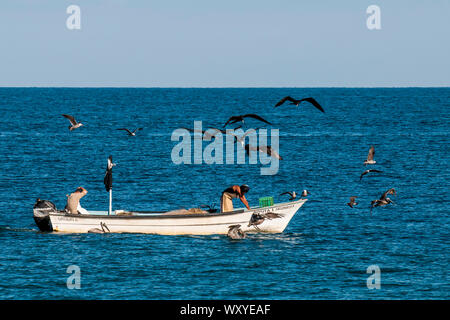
{"x": 384, "y": 200}
{"x": 234, "y": 231}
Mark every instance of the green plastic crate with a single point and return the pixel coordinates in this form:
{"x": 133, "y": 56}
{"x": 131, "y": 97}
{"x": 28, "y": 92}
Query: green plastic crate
{"x": 265, "y": 201}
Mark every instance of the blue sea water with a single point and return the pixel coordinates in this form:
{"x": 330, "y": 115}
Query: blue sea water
{"x": 324, "y": 252}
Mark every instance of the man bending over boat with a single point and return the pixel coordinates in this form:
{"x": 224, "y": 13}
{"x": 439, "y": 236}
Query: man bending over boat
{"x": 226, "y": 201}
{"x": 73, "y": 201}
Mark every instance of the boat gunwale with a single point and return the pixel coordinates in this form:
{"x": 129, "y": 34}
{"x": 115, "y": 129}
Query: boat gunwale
{"x": 169, "y": 216}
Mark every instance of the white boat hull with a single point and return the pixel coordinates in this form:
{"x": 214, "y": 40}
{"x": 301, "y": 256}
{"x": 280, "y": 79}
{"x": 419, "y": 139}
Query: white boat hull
{"x": 164, "y": 224}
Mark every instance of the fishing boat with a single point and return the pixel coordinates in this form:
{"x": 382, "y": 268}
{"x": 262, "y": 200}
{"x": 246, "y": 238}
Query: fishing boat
{"x": 49, "y": 219}
{"x": 268, "y": 217}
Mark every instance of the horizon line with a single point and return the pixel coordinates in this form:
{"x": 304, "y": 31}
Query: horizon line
{"x": 218, "y": 87}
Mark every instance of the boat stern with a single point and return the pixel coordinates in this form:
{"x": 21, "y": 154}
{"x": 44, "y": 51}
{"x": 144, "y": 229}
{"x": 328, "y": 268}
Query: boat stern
{"x": 41, "y": 214}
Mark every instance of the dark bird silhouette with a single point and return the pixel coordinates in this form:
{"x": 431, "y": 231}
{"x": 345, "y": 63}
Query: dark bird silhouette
{"x": 292, "y": 194}
{"x": 264, "y": 149}
{"x": 235, "y": 232}
{"x": 130, "y": 133}
{"x": 73, "y": 122}
{"x": 367, "y": 171}
{"x": 234, "y": 119}
{"x": 107, "y": 180}
{"x": 352, "y": 202}
{"x": 370, "y": 155}
{"x": 384, "y": 200}
{"x": 297, "y": 102}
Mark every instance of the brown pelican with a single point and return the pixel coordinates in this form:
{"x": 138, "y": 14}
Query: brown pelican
{"x": 367, "y": 171}
{"x": 271, "y": 215}
{"x": 297, "y": 102}
{"x": 352, "y": 202}
{"x": 292, "y": 194}
{"x": 305, "y": 193}
{"x": 255, "y": 220}
{"x": 258, "y": 218}
{"x": 130, "y": 133}
{"x": 369, "y": 159}
{"x": 264, "y": 149}
{"x": 73, "y": 122}
{"x": 234, "y": 119}
{"x": 235, "y": 232}
{"x": 384, "y": 200}
{"x": 104, "y": 229}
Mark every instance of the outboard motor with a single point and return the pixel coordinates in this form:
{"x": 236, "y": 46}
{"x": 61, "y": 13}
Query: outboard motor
{"x": 41, "y": 210}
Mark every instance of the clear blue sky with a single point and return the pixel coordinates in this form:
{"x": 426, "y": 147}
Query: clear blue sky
{"x": 227, "y": 43}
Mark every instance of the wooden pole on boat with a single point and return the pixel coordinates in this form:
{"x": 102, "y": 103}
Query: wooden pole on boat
{"x": 110, "y": 201}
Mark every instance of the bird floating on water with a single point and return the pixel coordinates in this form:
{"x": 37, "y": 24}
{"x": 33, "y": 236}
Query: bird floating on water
{"x": 297, "y": 102}
{"x": 292, "y": 194}
{"x": 130, "y": 133}
{"x": 263, "y": 149}
{"x": 352, "y": 201}
{"x": 370, "y": 155}
{"x": 367, "y": 171}
{"x": 235, "y": 232}
{"x": 234, "y": 119}
{"x": 384, "y": 200}
{"x": 74, "y": 124}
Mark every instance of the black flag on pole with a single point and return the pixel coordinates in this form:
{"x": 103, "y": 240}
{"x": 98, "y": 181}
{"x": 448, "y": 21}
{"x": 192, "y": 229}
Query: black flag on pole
{"x": 108, "y": 174}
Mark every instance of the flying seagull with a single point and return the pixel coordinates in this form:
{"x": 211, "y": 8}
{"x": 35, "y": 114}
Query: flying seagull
{"x": 263, "y": 149}
{"x": 370, "y": 155}
{"x": 297, "y": 102}
{"x": 384, "y": 200}
{"x": 305, "y": 193}
{"x": 235, "y": 232}
{"x": 352, "y": 202}
{"x": 130, "y": 133}
{"x": 73, "y": 122}
{"x": 234, "y": 119}
{"x": 241, "y": 139}
{"x": 367, "y": 171}
{"x": 292, "y": 194}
